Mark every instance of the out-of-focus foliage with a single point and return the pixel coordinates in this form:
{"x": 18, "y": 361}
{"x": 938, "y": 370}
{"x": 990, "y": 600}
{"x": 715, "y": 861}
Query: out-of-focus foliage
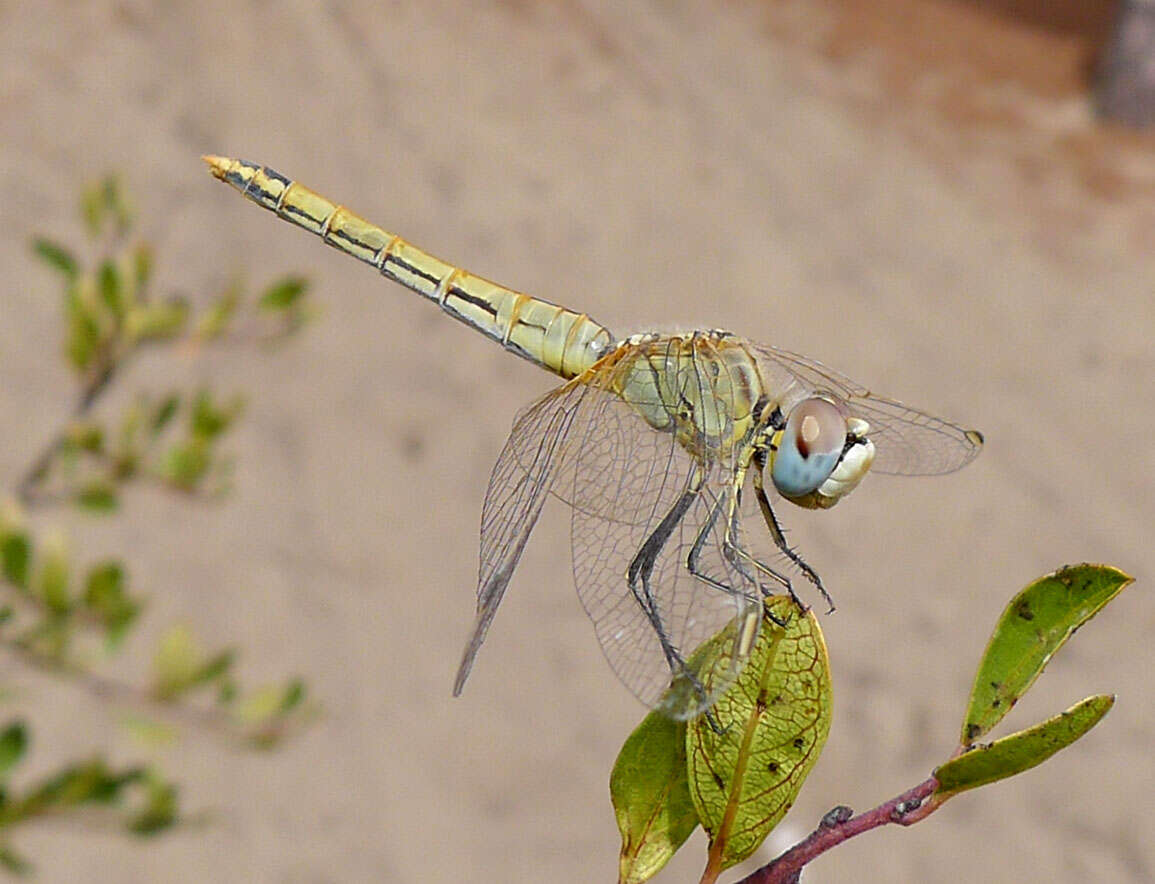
{"x": 111, "y": 312}
{"x": 65, "y": 616}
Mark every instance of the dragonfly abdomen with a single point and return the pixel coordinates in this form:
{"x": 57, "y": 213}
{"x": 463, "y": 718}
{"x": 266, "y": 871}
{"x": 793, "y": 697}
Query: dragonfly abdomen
{"x": 557, "y": 339}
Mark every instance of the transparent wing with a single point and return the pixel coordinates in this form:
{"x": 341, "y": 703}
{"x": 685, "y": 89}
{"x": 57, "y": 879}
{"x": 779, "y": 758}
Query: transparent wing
{"x": 528, "y": 467}
{"x": 588, "y": 446}
{"x": 626, "y": 479}
{"x": 907, "y": 441}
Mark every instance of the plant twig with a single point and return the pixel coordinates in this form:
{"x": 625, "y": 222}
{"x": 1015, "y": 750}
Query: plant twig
{"x": 89, "y": 394}
{"x": 208, "y": 720}
{"x": 839, "y": 825}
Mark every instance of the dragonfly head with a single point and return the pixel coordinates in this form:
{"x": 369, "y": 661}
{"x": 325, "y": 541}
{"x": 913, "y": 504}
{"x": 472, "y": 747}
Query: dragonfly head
{"x": 820, "y": 455}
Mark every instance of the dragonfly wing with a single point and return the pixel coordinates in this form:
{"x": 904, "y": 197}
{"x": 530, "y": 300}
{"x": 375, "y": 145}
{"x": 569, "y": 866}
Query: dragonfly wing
{"x": 626, "y": 478}
{"x": 907, "y": 441}
{"x": 529, "y": 465}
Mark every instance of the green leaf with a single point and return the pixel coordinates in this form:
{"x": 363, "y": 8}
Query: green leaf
{"x": 97, "y": 497}
{"x": 93, "y": 207}
{"x": 261, "y": 705}
{"x": 214, "y": 668}
{"x": 111, "y": 289}
{"x": 1036, "y": 623}
{"x": 293, "y": 697}
{"x": 650, "y": 791}
{"x": 185, "y": 464}
{"x": 13, "y": 862}
{"x": 101, "y": 200}
{"x": 105, "y": 598}
{"x": 770, "y": 726}
{"x": 215, "y": 320}
{"x": 119, "y": 203}
{"x": 208, "y": 420}
{"x": 164, "y": 413}
{"x": 157, "y": 320}
{"x": 131, "y": 421}
{"x": 142, "y": 266}
{"x": 160, "y": 811}
{"x": 84, "y": 335}
{"x": 57, "y": 257}
{"x": 15, "y": 553}
{"x": 83, "y": 783}
{"x": 13, "y": 744}
{"x": 86, "y": 436}
{"x": 53, "y": 578}
{"x": 177, "y": 658}
{"x": 1020, "y": 751}
{"x": 180, "y": 664}
{"x": 153, "y": 733}
{"x": 283, "y": 294}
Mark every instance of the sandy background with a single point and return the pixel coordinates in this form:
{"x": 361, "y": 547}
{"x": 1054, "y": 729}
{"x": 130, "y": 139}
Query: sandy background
{"x": 916, "y": 195}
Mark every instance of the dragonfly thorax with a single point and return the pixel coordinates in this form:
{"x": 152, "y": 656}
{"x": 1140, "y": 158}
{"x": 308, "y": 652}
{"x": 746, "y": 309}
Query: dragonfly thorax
{"x": 701, "y": 386}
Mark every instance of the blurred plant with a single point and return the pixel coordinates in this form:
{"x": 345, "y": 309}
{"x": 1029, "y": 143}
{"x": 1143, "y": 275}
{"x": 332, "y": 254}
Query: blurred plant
{"x": 737, "y": 774}
{"x": 111, "y": 315}
{"x": 140, "y": 799}
{"x": 64, "y": 618}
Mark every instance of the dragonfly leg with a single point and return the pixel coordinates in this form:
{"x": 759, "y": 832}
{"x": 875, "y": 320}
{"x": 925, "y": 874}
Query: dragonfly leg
{"x": 780, "y": 541}
{"x": 728, "y": 550}
{"x": 738, "y": 559}
{"x": 638, "y": 577}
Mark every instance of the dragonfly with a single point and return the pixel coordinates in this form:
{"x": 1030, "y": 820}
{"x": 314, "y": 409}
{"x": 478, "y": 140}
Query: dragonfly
{"x": 653, "y": 441}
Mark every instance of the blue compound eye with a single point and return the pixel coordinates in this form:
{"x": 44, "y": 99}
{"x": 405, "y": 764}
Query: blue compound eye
{"x": 809, "y": 448}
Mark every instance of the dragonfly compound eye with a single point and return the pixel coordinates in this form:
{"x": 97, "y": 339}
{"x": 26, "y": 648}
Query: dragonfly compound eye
{"x": 809, "y": 448}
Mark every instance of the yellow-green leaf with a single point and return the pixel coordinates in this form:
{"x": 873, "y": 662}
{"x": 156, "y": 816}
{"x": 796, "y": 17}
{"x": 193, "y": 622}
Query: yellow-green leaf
{"x": 748, "y": 765}
{"x": 157, "y": 319}
{"x": 153, "y": 733}
{"x": 53, "y": 578}
{"x": 178, "y": 657}
{"x": 185, "y": 464}
{"x": 1036, "y": 623}
{"x": 214, "y": 321}
{"x": 97, "y": 496}
{"x": 84, "y": 333}
{"x": 1020, "y": 751}
{"x": 261, "y": 705}
{"x": 651, "y": 797}
{"x": 141, "y": 267}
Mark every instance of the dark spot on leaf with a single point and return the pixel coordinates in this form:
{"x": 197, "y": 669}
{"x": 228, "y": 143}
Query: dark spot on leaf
{"x": 718, "y": 781}
{"x": 761, "y": 701}
{"x": 799, "y": 742}
{"x": 973, "y": 730}
{"x": 995, "y": 685}
{"x": 1024, "y": 610}
{"x": 996, "y": 703}
{"x": 772, "y": 767}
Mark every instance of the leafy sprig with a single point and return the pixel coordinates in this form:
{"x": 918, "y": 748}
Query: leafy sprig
{"x": 738, "y": 774}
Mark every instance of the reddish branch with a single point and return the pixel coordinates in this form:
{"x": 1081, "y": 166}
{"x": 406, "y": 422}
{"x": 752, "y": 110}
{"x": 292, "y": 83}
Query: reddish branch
{"x": 840, "y": 824}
